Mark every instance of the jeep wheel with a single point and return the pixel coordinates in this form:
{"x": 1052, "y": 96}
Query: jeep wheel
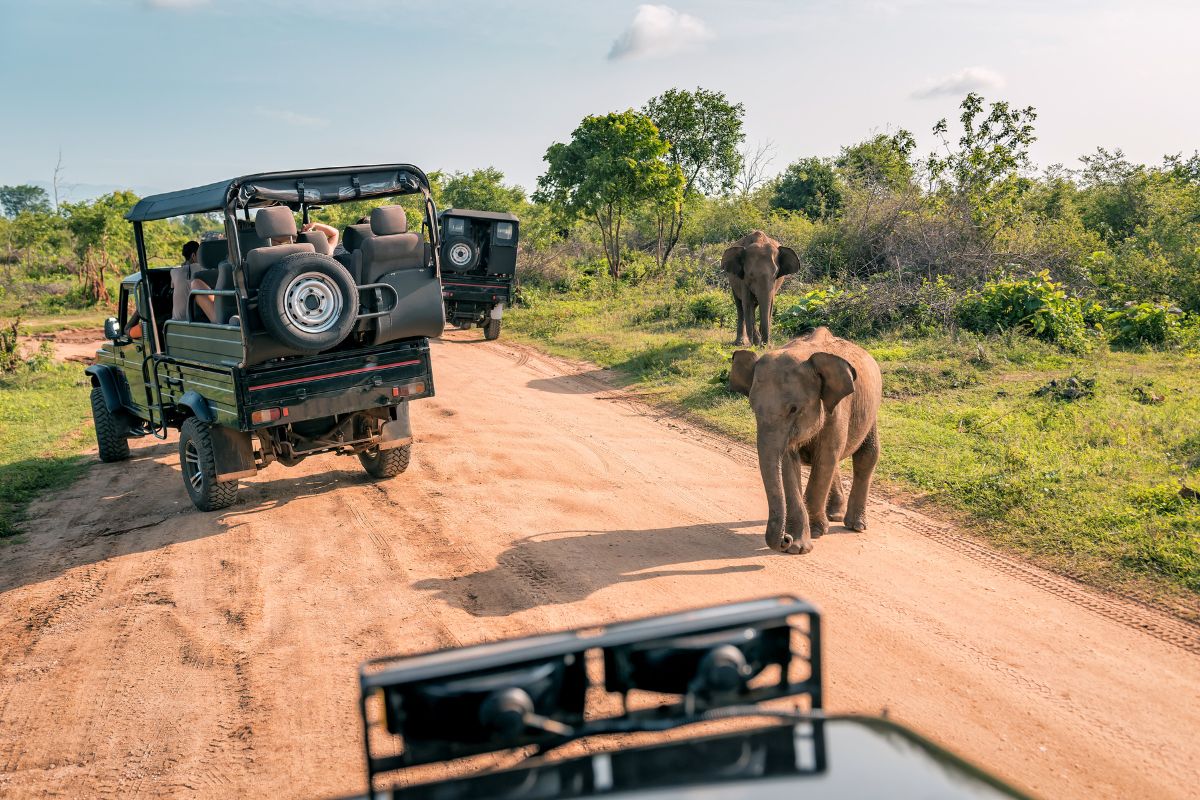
{"x": 200, "y": 468}
{"x": 491, "y": 329}
{"x": 461, "y": 253}
{"x": 308, "y": 302}
{"x": 386, "y": 463}
{"x": 112, "y": 432}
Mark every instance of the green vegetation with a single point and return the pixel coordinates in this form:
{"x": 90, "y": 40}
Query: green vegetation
{"x": 45, "y": 411}
{"x": 1088, "y": 486}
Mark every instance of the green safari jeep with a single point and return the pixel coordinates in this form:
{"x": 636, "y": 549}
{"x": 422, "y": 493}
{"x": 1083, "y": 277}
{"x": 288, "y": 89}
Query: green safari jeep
{"x": 274, "y": 346}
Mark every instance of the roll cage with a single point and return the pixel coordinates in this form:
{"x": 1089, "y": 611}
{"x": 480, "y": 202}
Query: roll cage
{"x": 300, "y": 190}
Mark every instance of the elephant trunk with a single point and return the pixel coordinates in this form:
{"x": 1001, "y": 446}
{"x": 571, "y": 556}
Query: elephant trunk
{"x": 771, "y": 452}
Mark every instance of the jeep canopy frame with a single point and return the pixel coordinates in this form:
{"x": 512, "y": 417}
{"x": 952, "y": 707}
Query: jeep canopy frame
{"x": 299, "y": 189}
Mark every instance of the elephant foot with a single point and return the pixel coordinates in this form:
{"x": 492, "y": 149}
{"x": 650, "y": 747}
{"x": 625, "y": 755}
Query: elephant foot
{"x": 741, "y": 343}
{"x": 835, "y": 514}
{"x": 856, "y": 522}
{"x": 818, "y": 528}
{"x": 791, "y": 546}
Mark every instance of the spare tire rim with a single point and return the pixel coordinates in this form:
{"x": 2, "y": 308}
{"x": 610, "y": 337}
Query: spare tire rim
{"x": 460, "y": 254}
{"x": 313, "y": 302}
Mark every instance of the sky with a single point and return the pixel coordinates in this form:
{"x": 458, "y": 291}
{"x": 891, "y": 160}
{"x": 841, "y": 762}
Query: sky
{"x": 157, "y": 95}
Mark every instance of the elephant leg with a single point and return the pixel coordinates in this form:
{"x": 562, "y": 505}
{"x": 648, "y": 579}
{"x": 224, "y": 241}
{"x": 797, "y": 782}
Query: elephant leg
{"x": 796, "y": 526}
{"x": 864, "y": 467}
{"x": 816, "y": 494}
{"x": 741, "y": 339}
{"x": 835, "y": 509}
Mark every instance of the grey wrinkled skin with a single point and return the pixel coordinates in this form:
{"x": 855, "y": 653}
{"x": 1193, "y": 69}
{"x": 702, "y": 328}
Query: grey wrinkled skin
{"x": 816, "y": 402}
{"x": 756, "y": 265}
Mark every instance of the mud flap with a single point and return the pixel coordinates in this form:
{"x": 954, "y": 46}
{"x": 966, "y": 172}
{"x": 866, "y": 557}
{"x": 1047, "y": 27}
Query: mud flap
{"x": 234, "y": 453}
{"x": 397, "y": 432}
{"x": 498, "y": 311}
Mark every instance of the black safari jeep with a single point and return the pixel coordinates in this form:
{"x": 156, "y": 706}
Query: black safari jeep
{"x": 274, "y": 347}
{"x": 479, "y": 255}
{"x": 717, "y": 703}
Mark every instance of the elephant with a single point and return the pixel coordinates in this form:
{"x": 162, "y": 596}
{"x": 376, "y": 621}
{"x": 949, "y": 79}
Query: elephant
{"x": 756, "y": 265}
{"x": 815, "y": 401}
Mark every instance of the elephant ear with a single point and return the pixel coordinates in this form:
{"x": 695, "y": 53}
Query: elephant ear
{"x": 837, "y": 378}
{"x": 789, "y": 262}
{"x": 741, "y": 372}
{"x": 733, "y": 261}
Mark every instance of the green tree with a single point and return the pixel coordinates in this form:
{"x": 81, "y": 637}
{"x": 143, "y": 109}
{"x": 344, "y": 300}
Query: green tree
{"x": 17, "y": 199}
{"x": 613, "y": 165}
{"x": 809, "y": 186}
{"x": 982, "y": 172}
{"x": 704, "y": 131}
{"x": 100, "y": 232}
{"x": 482, "y": 190}
{"x": 882, "y": 161}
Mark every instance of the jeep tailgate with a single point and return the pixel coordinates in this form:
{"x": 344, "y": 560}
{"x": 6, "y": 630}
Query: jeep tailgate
{"x": 339, "y": 383}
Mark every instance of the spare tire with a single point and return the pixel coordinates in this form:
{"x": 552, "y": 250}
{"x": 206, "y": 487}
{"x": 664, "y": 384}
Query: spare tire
{"x": 308, "y": 302}
{"x": 461, "y": 254}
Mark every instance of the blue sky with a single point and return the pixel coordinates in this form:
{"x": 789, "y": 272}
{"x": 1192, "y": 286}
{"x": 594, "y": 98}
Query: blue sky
{"x": 161, "y": 94}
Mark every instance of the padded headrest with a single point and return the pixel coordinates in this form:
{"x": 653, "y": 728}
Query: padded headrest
{"x": 354, "y": 236}
{"x": 389, "y": 220}
{"x": 317, "y": 240}
{"x": 275, "y": 221}
{"x": 212, "y": 252}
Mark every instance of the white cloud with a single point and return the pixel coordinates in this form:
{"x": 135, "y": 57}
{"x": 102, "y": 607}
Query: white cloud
{"x": 175, "y": 5}
{"x": 971, "y": 79}
{"x": 291, "y": 117}
{"x": 659, "y": 31}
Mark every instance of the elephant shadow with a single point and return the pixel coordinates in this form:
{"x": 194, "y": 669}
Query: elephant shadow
{"x": 562, "y": 567}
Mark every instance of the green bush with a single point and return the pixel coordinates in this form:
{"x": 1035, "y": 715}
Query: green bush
{"x": 711, "y": 309}
{"x": 1145, "y": 323}
{"x": 1034, "y": 306}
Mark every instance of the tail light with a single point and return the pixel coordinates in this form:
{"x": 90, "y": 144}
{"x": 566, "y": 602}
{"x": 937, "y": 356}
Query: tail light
{"x": 267, "y": 415}
{"x": 409, "y": 389}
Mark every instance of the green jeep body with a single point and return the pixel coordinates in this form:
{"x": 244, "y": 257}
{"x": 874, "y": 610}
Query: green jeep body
{"x": 243, "y": 399}
{"x": 479, "y": 256}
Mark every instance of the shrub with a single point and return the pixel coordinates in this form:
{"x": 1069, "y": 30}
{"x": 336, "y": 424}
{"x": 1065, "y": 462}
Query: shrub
{"x": 711, "y": 309}
{"x": 1035, "y": 306}
{"x": 1145, "y": 323}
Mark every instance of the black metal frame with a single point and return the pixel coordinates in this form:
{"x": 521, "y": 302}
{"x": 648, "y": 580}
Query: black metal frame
{"x": 395, "y": 679}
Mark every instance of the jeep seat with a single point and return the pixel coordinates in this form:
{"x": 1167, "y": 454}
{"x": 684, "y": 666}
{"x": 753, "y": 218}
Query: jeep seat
{"x": 392, "y": 247}
{"x": 273, "y": 222}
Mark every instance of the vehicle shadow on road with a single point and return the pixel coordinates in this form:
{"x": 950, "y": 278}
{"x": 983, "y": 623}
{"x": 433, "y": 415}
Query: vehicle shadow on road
{"x": 560, "y": 567}
{"x": 590, "y": 382}
{"x": 136, "y": 506}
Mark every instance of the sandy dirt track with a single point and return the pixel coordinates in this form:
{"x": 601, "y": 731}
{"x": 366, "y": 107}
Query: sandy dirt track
{"x": 148, "y": 650}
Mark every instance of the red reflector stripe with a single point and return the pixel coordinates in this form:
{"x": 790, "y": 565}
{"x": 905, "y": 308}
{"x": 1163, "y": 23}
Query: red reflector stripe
{"x": 335, "y": 374}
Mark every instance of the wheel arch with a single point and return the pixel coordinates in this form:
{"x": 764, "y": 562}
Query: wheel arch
{"x": 193, "y": 404}
{"x": 108, "y": 380}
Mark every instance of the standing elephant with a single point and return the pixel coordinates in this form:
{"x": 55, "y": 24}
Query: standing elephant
{"x": 815, "y": 400}
{"x": 756, "y": 265}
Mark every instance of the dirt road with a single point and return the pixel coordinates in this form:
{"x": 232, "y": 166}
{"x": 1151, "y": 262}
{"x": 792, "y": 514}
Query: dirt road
{"x": 149, "y": 650}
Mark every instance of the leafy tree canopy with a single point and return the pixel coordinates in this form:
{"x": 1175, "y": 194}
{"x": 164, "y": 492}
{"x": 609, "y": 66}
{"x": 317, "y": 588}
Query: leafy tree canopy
{"x": 18, "y": 199}
{"x": 482, "y": 190}
{"x": 704, "y": 131}
{"x": 809, "y": 186}
{"x": 881, "y": 161}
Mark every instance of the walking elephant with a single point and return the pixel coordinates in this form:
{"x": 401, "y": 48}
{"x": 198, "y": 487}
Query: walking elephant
{"x": 815, "y": 400}
{"x": 756, "y": 265}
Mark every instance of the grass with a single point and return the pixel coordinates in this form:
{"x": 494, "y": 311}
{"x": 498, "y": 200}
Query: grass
{"x": 45, "y": 417}
{"x": 1089, "y": 487}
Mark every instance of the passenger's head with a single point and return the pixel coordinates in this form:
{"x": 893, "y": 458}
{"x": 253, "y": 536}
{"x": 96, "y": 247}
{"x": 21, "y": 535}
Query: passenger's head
{"x": 189, "y": 252}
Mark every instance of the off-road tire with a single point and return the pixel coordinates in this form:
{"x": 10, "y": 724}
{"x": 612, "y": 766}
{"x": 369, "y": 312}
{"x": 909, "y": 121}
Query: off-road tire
{"x": 283, "y": 294}
{"x": 200, "y": 468}
{"x": 112, "y": 432}
{"x": 491, "y": 329}
{"x": 386, "y": 463}
{"x": 462, "y": 248}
